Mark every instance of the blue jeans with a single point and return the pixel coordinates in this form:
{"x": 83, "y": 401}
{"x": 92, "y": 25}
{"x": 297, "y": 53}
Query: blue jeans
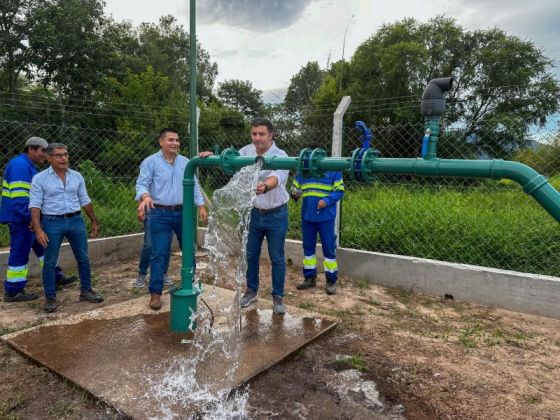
{"x": 162, "y": 225}
{"x": 146, "y": 252}
{"x": 74, "y": 229}
{"x": 273, "y": 226}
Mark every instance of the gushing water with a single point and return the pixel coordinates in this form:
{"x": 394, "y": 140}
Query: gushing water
{"x": 218, "y": 332}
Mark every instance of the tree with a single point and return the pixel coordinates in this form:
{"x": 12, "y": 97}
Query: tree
{"x": 502, "y": 84}
{"x": 66, "y": 45}
{"x": 14, "y": 34}
{"x": 166, "y": 47}
{"x": 241, "y": 96}
{"x": 303, "y": 86}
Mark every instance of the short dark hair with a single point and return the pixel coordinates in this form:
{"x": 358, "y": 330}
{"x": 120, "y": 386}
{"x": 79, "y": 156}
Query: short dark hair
{"x": 166, "y": 130}
{"x": 52, "y": 146}
{"x": 258, "y": 121}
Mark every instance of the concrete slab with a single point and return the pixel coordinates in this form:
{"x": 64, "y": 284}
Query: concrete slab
{"x": 121, "y": 353}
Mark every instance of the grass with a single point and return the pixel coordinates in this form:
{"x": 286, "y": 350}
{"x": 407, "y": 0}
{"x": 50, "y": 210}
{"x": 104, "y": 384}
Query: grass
{"x": 492, "y": 225}
{"x": 351, "y": 362}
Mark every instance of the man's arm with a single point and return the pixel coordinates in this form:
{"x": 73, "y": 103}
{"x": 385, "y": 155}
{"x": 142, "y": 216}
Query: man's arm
{"x": 94, "y": 223}
{"x": 143, "y": 183}
{"x": 40, "y": 234}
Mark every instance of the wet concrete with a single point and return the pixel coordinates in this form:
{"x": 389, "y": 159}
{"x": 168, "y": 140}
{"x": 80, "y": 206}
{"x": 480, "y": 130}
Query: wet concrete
{"x": 119, "y": 353}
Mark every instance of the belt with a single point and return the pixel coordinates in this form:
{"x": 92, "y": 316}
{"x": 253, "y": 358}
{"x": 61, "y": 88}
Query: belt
{"x": 175, "y": 207}
{"x": 268, "y": 211}
{"x": 64, "y": 216}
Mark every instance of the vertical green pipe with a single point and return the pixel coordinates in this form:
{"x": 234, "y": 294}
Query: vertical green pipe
{"x": 184, "y": 300}
{"x": 432, "y": 124}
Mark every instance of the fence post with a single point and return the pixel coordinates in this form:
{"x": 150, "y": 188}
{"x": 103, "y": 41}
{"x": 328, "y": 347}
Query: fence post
{"x": 337, "y": 150}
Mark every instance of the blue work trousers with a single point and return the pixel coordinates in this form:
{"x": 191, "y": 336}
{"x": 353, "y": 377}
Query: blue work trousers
{"x": 325, "y": 230}
{"x": 22, "y": 241}
{"x": 74, "y": 229}
{"x": 273, "y": 226}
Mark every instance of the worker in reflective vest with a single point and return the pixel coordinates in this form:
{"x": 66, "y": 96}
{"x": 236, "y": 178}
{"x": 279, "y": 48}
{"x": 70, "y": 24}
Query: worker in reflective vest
{"x": 318, "y": 214}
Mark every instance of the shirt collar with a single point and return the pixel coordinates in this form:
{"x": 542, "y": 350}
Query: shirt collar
{"x": 28, "y": 159}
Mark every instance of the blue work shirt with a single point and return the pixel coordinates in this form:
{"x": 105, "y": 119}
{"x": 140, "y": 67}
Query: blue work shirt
{"x": 55, "y": 197}
{"x": 16, "y": 184}
{"x": 329, "y": 188}
{"x": 164, "y": 181}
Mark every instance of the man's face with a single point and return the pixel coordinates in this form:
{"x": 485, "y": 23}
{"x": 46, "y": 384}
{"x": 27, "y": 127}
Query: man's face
{"x": 262, "y": 138}
{"x": 59, "y": 159}
{"x": 170, "y": 143}
{"x": 37, "y": 155}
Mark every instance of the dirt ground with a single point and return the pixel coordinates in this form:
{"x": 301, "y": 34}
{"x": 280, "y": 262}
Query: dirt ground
{"x": 430, "y": 357}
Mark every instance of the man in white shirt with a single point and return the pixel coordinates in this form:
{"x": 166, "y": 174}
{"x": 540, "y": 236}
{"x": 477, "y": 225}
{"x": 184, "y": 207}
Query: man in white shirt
{"x": 269, "y": 217}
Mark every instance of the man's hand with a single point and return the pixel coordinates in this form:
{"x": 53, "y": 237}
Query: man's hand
{"x": 203, "y": 214}
{"x": 94, "y": 228}
{"x": 146, "y": 203}
{"x": 321, "y": 204}
{"x": 141, "y": 215}
{"x": 205, "y": 154}
{"x": 261, "y": 188}
{"x": 42, "y": 237}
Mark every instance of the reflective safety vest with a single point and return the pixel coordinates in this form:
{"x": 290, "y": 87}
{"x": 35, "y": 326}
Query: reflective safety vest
{"x": 329, "y": 188}
{"x": 16, "y": 183}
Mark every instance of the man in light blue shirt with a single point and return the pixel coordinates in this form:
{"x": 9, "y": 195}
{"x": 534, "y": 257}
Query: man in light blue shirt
{"x": 269, "y": 217}
{"x": 56, "y": 197}
{"x": 159, "y": 191}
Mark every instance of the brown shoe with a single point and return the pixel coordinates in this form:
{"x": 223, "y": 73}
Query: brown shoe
{"x": 155, "y": 302}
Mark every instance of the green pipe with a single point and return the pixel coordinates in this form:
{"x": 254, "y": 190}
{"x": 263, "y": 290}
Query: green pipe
{"x": 432, "y": 124}
{"x": 184, "y": 299}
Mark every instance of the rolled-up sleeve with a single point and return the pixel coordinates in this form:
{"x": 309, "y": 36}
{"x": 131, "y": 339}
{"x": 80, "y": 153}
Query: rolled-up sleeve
{"x": 36, "y": 193}
{"x": 83, "y": 196}
{"x": 144, "y": 180}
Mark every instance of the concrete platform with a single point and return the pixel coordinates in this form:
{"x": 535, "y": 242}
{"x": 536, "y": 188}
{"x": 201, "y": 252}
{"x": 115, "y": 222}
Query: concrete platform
{"x": 124, "y": 353}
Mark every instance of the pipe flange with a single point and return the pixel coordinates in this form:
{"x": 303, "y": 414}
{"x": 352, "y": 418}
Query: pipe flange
{"x": 303, "y": 163}
{"x": 368, "y": 159}
{"x": 314, "y": 158}
{"x": 225, "y": 160}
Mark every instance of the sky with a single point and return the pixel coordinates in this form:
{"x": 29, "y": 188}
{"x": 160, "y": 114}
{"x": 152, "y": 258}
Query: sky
{"x": 268, "y": 41}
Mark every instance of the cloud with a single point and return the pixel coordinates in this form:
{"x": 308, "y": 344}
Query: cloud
{"x": 253, "y": 15}
{"x": 537, "y": 22}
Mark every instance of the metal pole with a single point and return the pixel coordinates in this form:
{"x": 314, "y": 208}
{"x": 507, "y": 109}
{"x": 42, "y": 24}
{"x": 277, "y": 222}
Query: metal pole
{"x": 193, "y": 146}
{"x": 337, "y": 150}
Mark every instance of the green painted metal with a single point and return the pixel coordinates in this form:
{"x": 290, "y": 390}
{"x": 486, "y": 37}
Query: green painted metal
{"x": 432, "y": 124}
{"x": 533, "y": 184}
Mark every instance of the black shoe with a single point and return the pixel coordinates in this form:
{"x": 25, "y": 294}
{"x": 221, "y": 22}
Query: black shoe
{"x": 21, "y": 296}
{"x": 50, "y": 305}
{"x": 330, "y": 288}
{"x": 91, "y": 296}
{"x": 65, "y": 281}
{"x": 308, "y": 282}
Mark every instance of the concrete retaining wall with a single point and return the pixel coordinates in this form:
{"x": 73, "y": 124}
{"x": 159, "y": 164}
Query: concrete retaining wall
{"x": 521, "y": 292}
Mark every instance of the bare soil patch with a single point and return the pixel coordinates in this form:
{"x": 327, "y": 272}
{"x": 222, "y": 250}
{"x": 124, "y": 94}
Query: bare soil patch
{"x": 437, "y": 357}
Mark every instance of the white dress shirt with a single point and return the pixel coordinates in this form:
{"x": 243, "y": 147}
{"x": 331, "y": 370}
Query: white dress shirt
{"x": 276, "y": 196}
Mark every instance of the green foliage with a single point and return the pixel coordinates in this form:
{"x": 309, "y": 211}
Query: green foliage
{"x": 241, "y": 96}
{"x": 496, "y": 75}
{"x": 303, "y": 86}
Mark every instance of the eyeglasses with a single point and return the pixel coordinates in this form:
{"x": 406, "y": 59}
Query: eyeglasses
{"x": 59, "y": 155}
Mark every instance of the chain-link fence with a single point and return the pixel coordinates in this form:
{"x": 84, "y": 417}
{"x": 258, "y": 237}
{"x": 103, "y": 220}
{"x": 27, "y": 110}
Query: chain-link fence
{"x": 473, "y": 221}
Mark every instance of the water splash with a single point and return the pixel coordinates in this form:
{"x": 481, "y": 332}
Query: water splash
{"x": 219, "y": 331}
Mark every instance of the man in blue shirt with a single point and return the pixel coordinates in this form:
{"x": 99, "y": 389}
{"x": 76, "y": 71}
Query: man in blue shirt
{"x": 57, "y": 195}
{"x": 318, "y": 213}
{"x": 159, "y": 190}
{"x": 14, "y": 211}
